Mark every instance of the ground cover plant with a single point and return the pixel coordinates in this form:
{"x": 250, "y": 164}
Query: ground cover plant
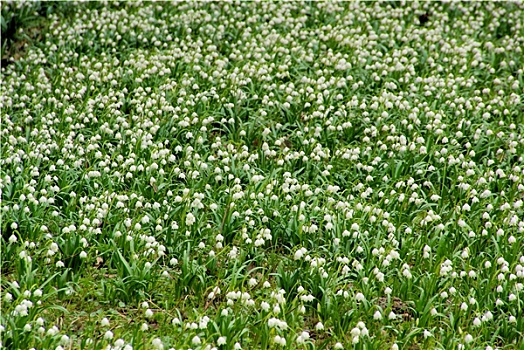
{"x": 256, "y": 175}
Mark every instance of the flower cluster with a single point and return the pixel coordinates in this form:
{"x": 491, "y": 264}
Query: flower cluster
{"x": 242, "y": 175}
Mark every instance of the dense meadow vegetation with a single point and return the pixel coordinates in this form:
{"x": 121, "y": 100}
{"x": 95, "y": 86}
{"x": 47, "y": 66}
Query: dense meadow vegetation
{"x": 258, "y": 175}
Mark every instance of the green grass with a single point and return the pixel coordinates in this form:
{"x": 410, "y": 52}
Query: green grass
{"x": 262, "y": 175}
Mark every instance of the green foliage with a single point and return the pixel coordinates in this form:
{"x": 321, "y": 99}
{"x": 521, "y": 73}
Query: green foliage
{"x": 260, "y": 175}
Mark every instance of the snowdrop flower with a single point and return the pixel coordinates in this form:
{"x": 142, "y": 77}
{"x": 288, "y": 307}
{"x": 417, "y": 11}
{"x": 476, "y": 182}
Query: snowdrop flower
{"x": 64, "y": 339}
{"x": 221, "y": 341}
{"x": 157, "y": 344}
{"x": 275, "y": 322}
{"x": 280, "y": 340}
{"x": 52, "y": 331}
{"x": 190, "y": 219}
{"x": 377, "y": 315}
{"x": 355, "y": 332}
{"x": 302, "y": 309}
{"x": 302, "y": 337}
{"x": 307, "y": 298}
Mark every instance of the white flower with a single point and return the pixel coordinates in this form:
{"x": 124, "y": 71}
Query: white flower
{"x": 265, "y": 306}
{"x": 355, "y": 332}
{"x": 307, "y": 298}
{"x": 157, "y": 343}
{"x": 221, "y": 341}
{"x": 364, "y": 332}
{"x": 52, "y": 331}
{"x": 280, "y": 340}
{"x": 190, "y": 219}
